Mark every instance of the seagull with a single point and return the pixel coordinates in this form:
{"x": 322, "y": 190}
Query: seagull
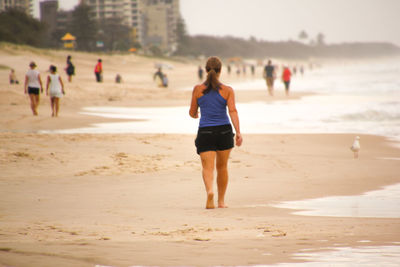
{"x": 356, "y": 146}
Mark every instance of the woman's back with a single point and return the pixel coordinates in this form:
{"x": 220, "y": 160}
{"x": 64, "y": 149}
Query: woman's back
{"x": 212, "y": 109}
{"x": 33, "y": 78}
{"x": 55, "y": 85}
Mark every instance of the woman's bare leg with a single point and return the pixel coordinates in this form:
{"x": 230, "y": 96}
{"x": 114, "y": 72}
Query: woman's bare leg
{"x": 52, "y": 106}
{"x": 37, "y": 101}
{"x": 34, "y": 104}
{"x": 57, "y": 105}
{"x": 222, "y": 176}
{"x": 208, "y": 161}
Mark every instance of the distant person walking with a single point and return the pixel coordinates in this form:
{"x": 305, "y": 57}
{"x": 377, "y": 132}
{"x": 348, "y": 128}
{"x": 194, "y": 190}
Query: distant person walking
{"x": 286, "y": 76}
{"x": 56, "y": 85}
{"x": 214, "y": 140}
{"x": 12, "y": 77}
{"x": 269, "y": 74}
{"x": 98, "y": 71}
{"x": 294, "y": 70}
{"x": 70, "y": 69}
{"x": 33, "y": 83}
{"x": 200, "y": 72}
{"x": 238, "y": 71}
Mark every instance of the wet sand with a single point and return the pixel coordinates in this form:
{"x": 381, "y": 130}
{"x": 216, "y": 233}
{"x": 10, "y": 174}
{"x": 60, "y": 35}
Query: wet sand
{"x": 138, "y": 199}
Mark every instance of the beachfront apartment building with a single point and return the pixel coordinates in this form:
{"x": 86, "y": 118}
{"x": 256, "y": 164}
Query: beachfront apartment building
{"x": 153, "y": 22}
{"x": 160, "y": 19}
{"x": 48, "y": 14}
{"x": 56, "y": 21}
{"x": 24, "y": 5}
{"x": 127, "y": 10}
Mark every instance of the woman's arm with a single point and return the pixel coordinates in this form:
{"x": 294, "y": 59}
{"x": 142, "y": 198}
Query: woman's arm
{"x": 40, "y": 82}
{"x": 26, "y": 84}
{"x": 47, "y": 85}
{"x": 233, "y": 114}
{"x": 62, "y": 85}
{"x": 194, "y": 107}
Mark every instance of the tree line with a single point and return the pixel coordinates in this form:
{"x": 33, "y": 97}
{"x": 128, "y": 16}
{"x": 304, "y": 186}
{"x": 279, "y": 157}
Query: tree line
{"x": 228, "y": 46}
{"x": 18, "y": 27}
{"x": 249, "y": 48}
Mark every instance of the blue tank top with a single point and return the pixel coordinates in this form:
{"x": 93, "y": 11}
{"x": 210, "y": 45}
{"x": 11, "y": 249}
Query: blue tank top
{"x": 212, "y": 109}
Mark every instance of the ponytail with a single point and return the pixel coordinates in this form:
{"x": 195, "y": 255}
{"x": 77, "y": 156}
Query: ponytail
{"x": 213, "y": 68}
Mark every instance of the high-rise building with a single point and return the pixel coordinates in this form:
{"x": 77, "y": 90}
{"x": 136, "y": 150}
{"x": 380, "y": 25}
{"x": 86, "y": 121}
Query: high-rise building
{"x": 160, "y": 18}
{"x": 127, "y": 10}
{"x": 48, "y": 14}
{"x": 24, "y": 5}
{"x": 56, "y": 21}
{"x": 153, "y": 21}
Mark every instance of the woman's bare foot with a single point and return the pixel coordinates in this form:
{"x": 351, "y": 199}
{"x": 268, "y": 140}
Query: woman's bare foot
{"x": 222, "y": 205}
{"x": 210, "y": 201}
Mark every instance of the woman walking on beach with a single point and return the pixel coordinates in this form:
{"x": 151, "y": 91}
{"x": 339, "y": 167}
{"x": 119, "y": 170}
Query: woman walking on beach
{"x": 56, "y": 90}
{"x": 32, "y": 84}
{"x": 214, "y": 140}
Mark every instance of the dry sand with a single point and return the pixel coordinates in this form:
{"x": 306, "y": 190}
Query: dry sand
{"x": 134, "y": 199}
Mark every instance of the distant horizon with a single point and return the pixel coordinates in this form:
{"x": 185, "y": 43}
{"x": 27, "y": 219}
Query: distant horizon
{"x": 341, "y": 21}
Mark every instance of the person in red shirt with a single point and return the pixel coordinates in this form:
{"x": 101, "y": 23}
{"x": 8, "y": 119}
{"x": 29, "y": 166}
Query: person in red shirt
{"x": 286, "y": 74}
{"x": 98, "y": 71}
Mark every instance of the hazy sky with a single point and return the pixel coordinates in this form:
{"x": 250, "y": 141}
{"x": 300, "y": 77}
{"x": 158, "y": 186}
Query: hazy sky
{"x": 274, "y": 20}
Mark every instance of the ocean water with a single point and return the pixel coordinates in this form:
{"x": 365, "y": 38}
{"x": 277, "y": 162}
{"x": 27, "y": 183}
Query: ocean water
{"x": 365, "y": 256}
{"x": 381, "y": 203}
{"x": 350, "y": 98}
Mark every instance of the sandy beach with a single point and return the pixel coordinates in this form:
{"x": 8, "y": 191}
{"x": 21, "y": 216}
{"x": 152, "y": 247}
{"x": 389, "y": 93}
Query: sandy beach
{"x": 138, "y": 199}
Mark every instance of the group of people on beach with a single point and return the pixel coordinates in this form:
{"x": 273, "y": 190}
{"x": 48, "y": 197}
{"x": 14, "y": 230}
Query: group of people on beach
{"x": 215, "y": 136}
{"x": 211, "y": 98}
{"x": 270, "y": 76}
{"x": 33, "y": 86}
{"x": 241, "y": 69}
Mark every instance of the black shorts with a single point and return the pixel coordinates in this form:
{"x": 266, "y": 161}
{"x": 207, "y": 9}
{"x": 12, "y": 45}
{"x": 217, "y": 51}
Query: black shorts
{"x": 287, "y": 84}
{"x": 214, "y": 138}
{"x": 33, "y": 90}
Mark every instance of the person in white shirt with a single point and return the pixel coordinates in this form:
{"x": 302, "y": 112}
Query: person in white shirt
{"x": 56, "y": 85}
{"x": 33, "y": 83}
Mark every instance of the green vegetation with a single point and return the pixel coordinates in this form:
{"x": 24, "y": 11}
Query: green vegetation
{"x": 114, "y": 34}
{"x": 251, "y": 48}
{"x": 19, "y": 28}
{"x": 84, "y": 28}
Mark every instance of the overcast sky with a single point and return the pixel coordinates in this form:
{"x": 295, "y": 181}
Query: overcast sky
{"x": 274, "y": 20}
